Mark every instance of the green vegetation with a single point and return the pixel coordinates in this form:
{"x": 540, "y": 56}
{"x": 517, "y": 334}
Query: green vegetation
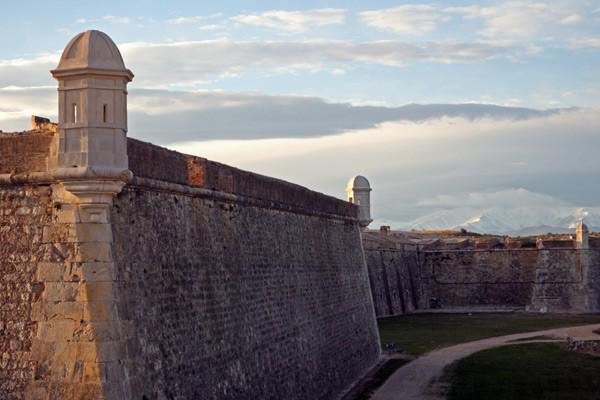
{"x": 525, "y": 371}
{"x": 420, "y": 333}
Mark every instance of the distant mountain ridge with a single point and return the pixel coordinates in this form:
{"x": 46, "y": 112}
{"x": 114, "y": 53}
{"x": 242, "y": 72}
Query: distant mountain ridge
{"x": 514, "y": 211}
{"x": 520, "y": 221}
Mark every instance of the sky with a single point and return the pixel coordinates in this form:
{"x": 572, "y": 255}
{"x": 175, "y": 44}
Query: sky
{"x": 442, "y": 105}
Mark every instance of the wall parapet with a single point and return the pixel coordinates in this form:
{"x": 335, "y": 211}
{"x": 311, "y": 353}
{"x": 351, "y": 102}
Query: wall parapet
{"x": 25, "y": 152}
{"x": 185, "y": 190}
{"x": 157, "y": 163}
{"x": 24, "y": 160}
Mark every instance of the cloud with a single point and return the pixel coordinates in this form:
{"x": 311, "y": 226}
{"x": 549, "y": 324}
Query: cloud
{"x": 411, "y": 164}
{"x": 549, "y": 21}
{"x": 571, "y": 19}
{"x": 227, "y": 115}
{"x": 166, "y": 117}
{"x": 28, "y": 72}
{"x": 211, "y": 27}
{"x": 586, "y": 42}
{"x": 194, "y": 62}
{"x": 199, "y": 61}
{"x": 17, "y": 105}
{"x": 112, "y": 19}
{"x": 186, "y": 20}
{"x": 293, "y": 21}
{"x": 412, "y": 19}
{"x": 116, "y": 19}
{"x": 193, "y": 19}
{"x": 509, "y": 198}
{"x": 520, "y": 18}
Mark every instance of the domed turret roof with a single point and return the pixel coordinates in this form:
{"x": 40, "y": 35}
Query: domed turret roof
{"x": 358, "y": 182}
{"x": 91, "y": 50}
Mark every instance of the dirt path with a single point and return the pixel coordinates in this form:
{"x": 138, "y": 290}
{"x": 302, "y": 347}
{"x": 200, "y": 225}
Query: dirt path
{"x": 412, "y": 381}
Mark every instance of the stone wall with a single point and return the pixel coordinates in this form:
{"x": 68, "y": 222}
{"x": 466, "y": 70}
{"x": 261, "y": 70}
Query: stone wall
{"x": 150, "y": 161}
{"x": 200, "y": 281}
{"x": 485, "y": 278}
{"x": 24, "y": 212}
{"x": 25, "y": 152}
{"x": 395, "y": 279}
{"x": 235, "y": 301}
{"x": 547, "y": 280}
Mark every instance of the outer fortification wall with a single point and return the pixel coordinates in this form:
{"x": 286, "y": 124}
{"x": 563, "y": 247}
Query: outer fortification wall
{"x": 129, "y": 271}
{"x": 406, "y": 278}
{"x": 240, "y": 297}
{"x": 216, "y": 284}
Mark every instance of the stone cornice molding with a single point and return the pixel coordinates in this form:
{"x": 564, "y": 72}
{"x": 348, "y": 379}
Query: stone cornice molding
{"x": 94, "y": 191}
{"x": 93, "y": 172}
{"x": 88, "y": 72}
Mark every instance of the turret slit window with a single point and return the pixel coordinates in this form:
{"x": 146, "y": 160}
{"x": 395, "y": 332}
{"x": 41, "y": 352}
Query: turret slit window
{"x": 105, "y": 113}
{"x": 75, "y": 113}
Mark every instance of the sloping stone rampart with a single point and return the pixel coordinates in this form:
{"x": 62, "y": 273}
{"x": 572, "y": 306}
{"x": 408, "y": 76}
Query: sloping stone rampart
{"x": 277, "y": 304}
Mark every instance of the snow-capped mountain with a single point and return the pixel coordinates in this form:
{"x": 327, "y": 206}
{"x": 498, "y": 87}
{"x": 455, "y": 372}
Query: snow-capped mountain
{"x": 511, "y": 221}
{"x": 513, "y": 211}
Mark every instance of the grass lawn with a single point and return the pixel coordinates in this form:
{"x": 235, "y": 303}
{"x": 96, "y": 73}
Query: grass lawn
{"x": 525, "y": 371}
{"x": 420, "y": 333}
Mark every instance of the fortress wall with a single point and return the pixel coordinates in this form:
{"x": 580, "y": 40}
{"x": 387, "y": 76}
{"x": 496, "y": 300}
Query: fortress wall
{"x": 395, "y": 281}
{"x": 491, "y": 278}
{"x": 555, "y": 280}
{"x": 24, "y": 152}
{"x": 230, "y": 285}
{"x": 234, "y": 301}
{"x": 150, "y": 161}
{"x": 24, "y": 212}
{"x": 566, "y": 280}
{"x": 592, "y": 283}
